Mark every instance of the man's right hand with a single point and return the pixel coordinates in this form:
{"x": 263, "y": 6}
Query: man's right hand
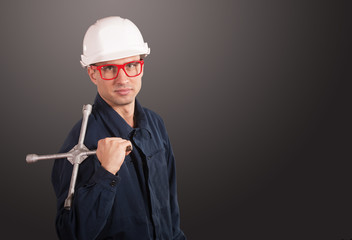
{"x": 111, "y": 153}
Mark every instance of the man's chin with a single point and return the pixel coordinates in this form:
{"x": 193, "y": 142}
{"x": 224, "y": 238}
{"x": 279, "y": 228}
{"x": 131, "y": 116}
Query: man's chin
{"x": 123, "y": 102}
{"x": 120, "y": 102}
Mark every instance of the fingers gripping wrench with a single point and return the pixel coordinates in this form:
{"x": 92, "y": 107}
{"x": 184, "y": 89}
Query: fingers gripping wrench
{"x": 75, "y": 156}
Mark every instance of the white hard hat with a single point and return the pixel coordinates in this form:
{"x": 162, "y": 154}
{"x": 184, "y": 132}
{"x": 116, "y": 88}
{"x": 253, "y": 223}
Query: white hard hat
{"x": 112, "y": 38}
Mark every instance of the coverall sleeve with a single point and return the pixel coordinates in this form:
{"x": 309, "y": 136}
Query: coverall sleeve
{"x": 93, "y": 197}
{"x": 92, "y": 202}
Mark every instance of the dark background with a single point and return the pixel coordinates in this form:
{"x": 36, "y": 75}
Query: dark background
{"x": 255, "y": 96}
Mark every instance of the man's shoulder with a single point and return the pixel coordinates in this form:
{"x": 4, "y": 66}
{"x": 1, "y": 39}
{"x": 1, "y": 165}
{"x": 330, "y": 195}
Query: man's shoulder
{"x": 155, "y": 122}
{"x": 91, "y": 124}
{"x": 73, "y": 136}
{"x": 152, "y": 115}
{"x": 150, "y": 112}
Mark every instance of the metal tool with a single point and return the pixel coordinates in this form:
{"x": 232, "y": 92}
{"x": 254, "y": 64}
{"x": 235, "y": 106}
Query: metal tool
{"x": 75, "y": 156}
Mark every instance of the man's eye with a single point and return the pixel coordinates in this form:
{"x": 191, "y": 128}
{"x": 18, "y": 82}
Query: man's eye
{"x": 108, "y": 68}
{"x": 131, "y": 65}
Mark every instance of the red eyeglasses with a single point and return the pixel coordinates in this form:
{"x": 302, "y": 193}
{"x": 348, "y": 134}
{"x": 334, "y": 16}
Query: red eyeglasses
{"x": 110, "y": 71}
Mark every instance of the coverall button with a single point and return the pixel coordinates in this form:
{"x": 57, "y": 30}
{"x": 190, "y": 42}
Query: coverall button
{"x": 113, "y": 183}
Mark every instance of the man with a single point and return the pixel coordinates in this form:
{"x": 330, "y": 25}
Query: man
{"x": 119, "y": 194}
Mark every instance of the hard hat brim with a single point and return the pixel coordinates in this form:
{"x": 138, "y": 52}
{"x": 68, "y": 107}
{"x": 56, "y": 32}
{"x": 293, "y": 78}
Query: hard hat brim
{"x": 103, "y": 57}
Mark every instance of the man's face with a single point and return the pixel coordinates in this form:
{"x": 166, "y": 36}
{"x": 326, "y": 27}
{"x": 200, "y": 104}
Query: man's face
{"x": 122, "y": 90}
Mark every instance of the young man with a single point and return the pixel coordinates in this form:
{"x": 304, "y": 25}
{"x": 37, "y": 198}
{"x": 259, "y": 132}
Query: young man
{"x": 118, "y": 194}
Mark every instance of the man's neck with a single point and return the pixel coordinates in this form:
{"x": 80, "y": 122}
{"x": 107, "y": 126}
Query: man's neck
{"x": 127, "y": 113}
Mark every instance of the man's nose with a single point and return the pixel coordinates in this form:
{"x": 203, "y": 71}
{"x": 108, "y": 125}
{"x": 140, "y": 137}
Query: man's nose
{"x": 121, "y": 77}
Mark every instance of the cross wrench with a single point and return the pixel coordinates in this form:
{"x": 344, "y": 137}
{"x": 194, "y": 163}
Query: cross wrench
{"x": 75, "y": 156}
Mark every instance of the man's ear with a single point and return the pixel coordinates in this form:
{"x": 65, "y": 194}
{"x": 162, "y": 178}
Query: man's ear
{"x": 91, "y": 73}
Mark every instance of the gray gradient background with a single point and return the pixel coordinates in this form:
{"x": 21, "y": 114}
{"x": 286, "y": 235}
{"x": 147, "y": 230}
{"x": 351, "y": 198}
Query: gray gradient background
{"x": 255, "y": 95}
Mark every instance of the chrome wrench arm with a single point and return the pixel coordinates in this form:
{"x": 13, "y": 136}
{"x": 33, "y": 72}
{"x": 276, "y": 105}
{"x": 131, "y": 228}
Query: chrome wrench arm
{"x": 75, "y": 156}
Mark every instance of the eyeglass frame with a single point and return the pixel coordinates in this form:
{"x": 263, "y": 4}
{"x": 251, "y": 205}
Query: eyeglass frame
{"x": 122, "y": 66}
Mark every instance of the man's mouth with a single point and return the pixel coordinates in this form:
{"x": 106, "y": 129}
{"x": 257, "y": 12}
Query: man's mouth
{"x": 123, "y": 91}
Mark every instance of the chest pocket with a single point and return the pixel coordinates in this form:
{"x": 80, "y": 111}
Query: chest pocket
{"x": 156, "y": 158}
{"x": 158, "y": 175}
